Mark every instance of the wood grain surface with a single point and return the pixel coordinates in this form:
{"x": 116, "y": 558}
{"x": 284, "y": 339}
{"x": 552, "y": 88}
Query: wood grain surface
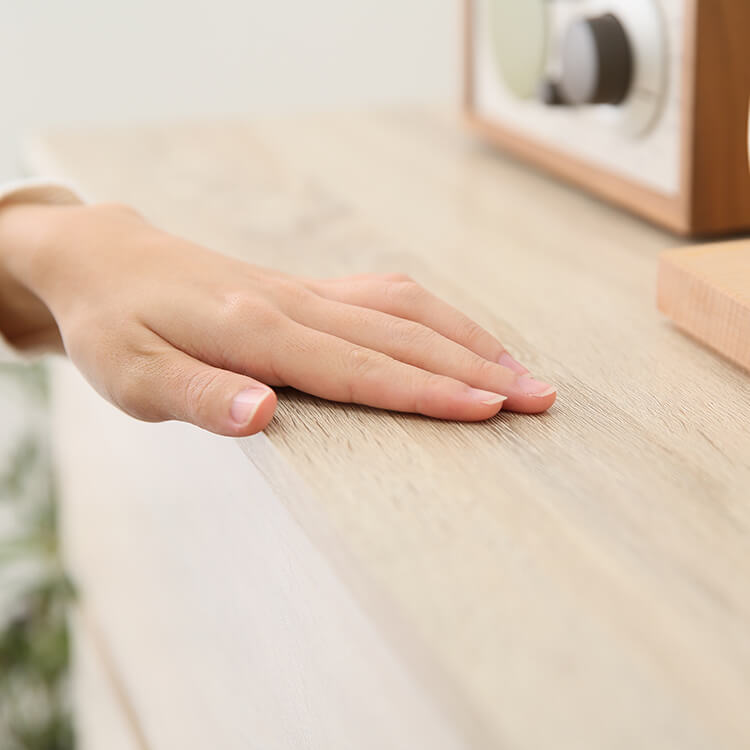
{"x": 573, "y": 580}
{"x": 206, "y": 617}
{"x": 100, "y": 720}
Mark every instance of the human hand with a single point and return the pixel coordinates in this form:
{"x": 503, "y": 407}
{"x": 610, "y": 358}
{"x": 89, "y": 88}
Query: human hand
{"x": 166, "y": 329}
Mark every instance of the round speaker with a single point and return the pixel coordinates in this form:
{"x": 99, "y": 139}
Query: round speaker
{"x": 520, "y": 37}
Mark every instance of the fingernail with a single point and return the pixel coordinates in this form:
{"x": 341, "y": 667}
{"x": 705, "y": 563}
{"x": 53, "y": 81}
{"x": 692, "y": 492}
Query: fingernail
{"x": 246, "y": 403}
{"x": 535, "y": 387}
{"x": 487, "y": 398}
{"x": 507, "y": 361}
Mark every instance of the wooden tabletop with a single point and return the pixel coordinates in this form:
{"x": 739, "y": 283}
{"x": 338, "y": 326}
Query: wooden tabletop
{"x": 575, "y": 579}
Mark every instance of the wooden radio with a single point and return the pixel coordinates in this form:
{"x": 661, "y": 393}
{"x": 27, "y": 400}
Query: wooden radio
{"x": 643, "y": 102}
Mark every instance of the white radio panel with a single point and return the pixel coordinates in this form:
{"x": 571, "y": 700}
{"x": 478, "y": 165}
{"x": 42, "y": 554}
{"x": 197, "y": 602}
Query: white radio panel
{"x": 640, "y": 138}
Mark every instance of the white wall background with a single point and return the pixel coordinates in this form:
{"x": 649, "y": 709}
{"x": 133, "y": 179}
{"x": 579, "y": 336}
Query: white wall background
{"x": 84, "y": 61}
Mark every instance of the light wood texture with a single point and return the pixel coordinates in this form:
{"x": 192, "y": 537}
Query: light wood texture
{"x": 207, "y": 618}
{"x": 100, "y": 719}
{"x": 577, "y": 579}
{"x": 706, "y": 291}
{"x": 714, "y": 197}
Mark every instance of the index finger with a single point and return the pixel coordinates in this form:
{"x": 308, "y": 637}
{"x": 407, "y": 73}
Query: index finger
{"x": 399, "y": 295}
{"x": 329, "y": 367}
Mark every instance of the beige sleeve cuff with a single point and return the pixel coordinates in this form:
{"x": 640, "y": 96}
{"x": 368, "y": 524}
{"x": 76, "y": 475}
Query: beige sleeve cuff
{"x": 39, "y": 191}
{"x": 33, "y": 191}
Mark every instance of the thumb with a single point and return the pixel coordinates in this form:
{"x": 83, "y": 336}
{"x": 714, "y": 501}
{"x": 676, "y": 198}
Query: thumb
{"x": 181, "y": 387}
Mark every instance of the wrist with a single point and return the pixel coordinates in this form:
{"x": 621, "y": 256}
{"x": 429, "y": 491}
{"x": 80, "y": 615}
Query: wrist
{"x": 25, "y": 320}
{"x": 25, "y": 229}
{"x": 37, "y": 241}
{"x": 51, "y": 248}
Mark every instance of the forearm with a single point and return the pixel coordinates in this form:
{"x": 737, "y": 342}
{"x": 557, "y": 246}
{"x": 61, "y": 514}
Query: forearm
{"x": 25, "y": 320}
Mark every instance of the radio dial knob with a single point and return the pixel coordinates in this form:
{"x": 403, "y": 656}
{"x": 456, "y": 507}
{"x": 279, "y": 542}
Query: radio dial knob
{"x": 597, "y": 65}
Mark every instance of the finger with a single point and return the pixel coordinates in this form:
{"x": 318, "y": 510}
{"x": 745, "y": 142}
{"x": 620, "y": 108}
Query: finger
{"x": 398, "y": 295}
{"x": 163, "y": 383}
{"x": 335, "y": 369}
{"x": 418, "y": 345}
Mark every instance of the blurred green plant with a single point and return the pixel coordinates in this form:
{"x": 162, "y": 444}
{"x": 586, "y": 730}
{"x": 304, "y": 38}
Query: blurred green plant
{"x": 37, "y": 593}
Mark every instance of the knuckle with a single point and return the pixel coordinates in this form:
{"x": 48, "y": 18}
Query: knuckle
{"x": 412, "y": 336}
{"x": 470, "y": 331}
{"x": 427, "y": 391}
{"x": 197, "y": 390}
{"x": 290, "y": 292}
{"x": 405, "y": 292}
{"x": 398, "y": 278}
{"x": 241, "y": 308}
{"x": 131, "y": 391}
{"x": 484, "y": 368}
{"x": 362, "y": 361}
{"x": 112, "y": 207}
{"x": 362, "y": 367}
{"x": 138, "y": 371}
{"x": 432, "y": 382}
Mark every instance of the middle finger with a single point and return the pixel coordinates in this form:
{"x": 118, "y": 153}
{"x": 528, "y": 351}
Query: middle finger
{"x": 419, "y": 345}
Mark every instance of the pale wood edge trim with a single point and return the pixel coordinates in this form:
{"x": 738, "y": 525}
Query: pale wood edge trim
{"x": 676, "y": 287}
{"x": 85, "y": 620}
{"x": 417, "y": 659}
{"x": 663, "y": 210}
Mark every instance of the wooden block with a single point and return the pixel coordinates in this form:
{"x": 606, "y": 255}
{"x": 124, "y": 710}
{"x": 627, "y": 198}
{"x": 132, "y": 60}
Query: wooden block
{"x": 705, "y": 290}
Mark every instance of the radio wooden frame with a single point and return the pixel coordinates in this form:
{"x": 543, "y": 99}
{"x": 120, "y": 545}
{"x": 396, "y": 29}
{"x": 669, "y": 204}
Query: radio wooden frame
{"x": 714, "y": 192}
